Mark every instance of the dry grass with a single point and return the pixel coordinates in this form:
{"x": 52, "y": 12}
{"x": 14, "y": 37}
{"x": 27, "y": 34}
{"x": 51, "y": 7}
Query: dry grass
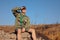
{"x": 50, "y": 31}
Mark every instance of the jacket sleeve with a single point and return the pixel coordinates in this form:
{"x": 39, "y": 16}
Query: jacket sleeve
{"x": 27, "y": 22}
{"x": 27, "y": 27}
{"x": 14, "y": 10}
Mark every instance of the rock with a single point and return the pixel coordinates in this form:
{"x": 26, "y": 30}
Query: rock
{"x": 8, "y": 36}
{"x": 12, "y": 36}
{"x": 26, "y": 36}
{"x": 2, "y": 32}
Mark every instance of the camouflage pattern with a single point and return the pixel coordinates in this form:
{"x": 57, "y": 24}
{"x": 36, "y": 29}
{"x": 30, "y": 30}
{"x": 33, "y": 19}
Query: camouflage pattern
{"x": 22, "y": 21}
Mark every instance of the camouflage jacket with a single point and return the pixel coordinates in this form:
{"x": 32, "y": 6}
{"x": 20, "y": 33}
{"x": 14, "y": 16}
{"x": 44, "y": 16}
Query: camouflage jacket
{"x": 21, "y": 20}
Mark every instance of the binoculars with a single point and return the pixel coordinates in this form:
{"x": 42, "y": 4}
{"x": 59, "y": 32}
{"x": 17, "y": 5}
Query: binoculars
{"x": 17, "y": 9}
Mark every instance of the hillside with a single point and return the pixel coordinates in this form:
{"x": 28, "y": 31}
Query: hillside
{"x": 47, "y": 32}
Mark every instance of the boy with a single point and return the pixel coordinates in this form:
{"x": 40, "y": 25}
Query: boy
{"x": 22, "y": 22}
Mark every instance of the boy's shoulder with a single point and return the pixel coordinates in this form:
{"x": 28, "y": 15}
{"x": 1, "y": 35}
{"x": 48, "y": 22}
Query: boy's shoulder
{"x": 26, "y": 16}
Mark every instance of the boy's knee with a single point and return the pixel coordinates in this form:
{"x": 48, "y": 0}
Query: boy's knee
{"x": 18, "y": 30}
{"x": 32, "y": 30}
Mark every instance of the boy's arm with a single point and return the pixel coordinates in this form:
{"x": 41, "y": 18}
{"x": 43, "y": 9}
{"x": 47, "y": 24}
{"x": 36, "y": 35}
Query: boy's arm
{"x": 27, "y": 22}
{"x": 14, "y": 10}
{"x": 27, "y": 26}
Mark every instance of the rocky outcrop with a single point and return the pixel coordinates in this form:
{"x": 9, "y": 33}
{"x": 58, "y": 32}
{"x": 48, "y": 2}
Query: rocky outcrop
{"x": 7, "y": 36}
{"x": 12, "y": 36}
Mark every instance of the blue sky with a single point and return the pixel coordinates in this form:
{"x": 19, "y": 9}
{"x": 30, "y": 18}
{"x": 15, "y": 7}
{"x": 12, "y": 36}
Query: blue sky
{"x": 39, "y": 11}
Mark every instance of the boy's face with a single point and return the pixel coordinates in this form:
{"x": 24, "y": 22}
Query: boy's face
{"x": 24, "y": 11}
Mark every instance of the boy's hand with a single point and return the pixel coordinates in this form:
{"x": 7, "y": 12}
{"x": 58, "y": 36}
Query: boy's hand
{"x": 23, "y": 29}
